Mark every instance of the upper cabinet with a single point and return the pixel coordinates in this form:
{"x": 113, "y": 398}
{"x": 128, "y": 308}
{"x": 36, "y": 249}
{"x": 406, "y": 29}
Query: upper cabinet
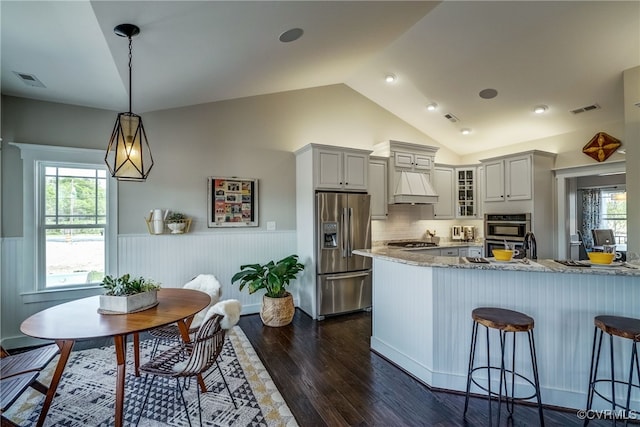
{"x": 410, "y": 171}
{"x": 413, "y": 161}
{"x": 443, "y": 182}
{"x": 378, "y": 187}
{"x": 466, "y": 194}
{"x": 508, "y": 179}
{"x": 457, "y": 192}
{"x": 342, "y": 169}
{"x": 522, "y": 183}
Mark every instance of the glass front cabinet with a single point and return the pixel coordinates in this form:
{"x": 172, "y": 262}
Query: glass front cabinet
{"x": 466, "y": 200}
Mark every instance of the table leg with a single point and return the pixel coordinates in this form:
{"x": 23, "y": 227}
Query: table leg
{"x": 65, "y": 351}
{"x": 136, "y": 353}
{"x": 183, "y": 325}
{"x": 121, "y": 348}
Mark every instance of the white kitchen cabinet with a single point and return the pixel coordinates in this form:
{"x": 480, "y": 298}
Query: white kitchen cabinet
{"x": 340, "y": 169}
{"x": 378, "y": 187}
{"x": 413, "y": 161}
{"x": 465, "y": 193}
{"x": 471, "y": 251}
{"x": 508, "y": 179}
{"x": 443, "y": 183}
{"x": 522, "y": 183}
{"x": 410, "y": 171}
{"x": 449, "y": 252}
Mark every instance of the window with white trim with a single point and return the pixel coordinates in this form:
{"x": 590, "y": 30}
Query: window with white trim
{"x": 69, "y": 218}
{"x": 72, "y": 223}
{"x": 613, "y": 212}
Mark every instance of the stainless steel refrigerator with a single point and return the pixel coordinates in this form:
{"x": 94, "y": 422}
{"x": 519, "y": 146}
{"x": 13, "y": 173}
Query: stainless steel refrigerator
{"x": 343, "y": 223}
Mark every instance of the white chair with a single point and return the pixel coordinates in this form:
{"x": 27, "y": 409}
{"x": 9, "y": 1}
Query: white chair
{"x": 188, "y": 360}
{"x": 206, "y": 283}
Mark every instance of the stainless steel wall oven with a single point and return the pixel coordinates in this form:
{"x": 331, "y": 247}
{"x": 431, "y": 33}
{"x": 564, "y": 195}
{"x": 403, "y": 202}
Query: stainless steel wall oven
{"x": 511, "y": 228}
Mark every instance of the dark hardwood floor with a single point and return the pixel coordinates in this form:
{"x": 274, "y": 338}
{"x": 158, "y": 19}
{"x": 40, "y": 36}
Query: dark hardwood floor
{"x": 328, "y": 376}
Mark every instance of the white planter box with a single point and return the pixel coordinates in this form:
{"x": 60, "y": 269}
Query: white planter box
{"x": 129, "y": 303}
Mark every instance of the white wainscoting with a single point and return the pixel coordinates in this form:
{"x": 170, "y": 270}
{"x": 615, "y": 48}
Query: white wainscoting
{"x": 422, "y": 322}
{"x": 169, "y": 259}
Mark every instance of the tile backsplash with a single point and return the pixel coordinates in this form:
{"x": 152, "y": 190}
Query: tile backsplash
{"x": 408, "y": 222}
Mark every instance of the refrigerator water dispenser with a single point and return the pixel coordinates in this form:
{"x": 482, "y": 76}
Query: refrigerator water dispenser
{"x": 330, "y": 235}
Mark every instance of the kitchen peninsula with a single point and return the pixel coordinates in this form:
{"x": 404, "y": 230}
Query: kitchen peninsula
{"x": 421, "y": 315}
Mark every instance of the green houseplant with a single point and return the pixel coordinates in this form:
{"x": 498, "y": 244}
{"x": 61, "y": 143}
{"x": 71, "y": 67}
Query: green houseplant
{"x": 125, "y": 294}
{"x": 177, "y": 221}
{"x": 274, "y": 277}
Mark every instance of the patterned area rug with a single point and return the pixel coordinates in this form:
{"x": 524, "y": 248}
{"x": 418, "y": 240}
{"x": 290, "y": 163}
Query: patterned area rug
{"x": 86, "y": 394}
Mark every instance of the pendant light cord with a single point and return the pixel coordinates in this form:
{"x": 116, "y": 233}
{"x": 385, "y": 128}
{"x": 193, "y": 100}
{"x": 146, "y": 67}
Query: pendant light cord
{"x": 130, "y": 59}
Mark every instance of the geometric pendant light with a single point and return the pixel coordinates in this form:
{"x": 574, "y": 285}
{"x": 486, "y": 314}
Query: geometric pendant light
{"x": 128, "y": 154}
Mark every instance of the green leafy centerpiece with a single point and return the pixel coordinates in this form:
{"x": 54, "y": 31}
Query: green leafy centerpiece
{"x": 177, "y": 222}
{"x": 277, "y": 304}
{"x": 127, "y": 295}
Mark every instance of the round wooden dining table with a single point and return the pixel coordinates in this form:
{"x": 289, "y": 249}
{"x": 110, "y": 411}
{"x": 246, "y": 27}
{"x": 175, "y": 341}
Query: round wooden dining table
{"x": 80, "y": 320}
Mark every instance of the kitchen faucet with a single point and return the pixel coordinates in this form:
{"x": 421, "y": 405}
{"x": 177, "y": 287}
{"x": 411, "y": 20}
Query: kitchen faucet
{"x": 529, "y": 246}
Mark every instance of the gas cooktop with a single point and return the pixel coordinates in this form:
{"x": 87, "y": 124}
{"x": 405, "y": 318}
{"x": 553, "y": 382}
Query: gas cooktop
{"x": 413, "y": 244}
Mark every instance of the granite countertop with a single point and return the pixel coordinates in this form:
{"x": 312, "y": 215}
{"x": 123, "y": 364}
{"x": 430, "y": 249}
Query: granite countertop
{"x": 417, "y": 257}
{"x": 440, "y": 244}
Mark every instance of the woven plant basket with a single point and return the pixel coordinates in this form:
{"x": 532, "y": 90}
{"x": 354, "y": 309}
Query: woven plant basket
{"x": 277, "y": 311}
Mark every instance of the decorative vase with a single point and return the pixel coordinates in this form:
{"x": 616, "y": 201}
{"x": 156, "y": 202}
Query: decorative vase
{"x": 128, "y": 303}
{"x": 277, "y": 312}
{"x": 176, "y": 227}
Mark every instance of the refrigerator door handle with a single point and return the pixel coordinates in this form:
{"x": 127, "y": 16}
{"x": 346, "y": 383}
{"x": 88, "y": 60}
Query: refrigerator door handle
{"x": 348, "y": 276}
{"x": 345, "y": 233}
{"x": 350, "y": 239}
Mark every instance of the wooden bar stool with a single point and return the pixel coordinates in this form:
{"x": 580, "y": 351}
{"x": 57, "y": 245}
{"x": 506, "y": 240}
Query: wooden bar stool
{"x": 626, "y": 328}
{"x": 504, "y": 321}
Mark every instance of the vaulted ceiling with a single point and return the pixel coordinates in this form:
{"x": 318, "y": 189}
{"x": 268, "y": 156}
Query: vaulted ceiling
{"x": 562, "y": 54}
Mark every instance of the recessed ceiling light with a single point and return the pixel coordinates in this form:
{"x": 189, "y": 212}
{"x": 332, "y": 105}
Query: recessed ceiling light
{"x": 291, "y": 35}
{"x": 432, "y": 107}
{"x": 540, "y": 109}
{"x": 465, "y": 131}
{"x": 390, "y": 78}
{"x": 488, "y": 93}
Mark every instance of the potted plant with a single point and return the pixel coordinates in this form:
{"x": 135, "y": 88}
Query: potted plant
{"x": 126, "y": 295}
{"x": 277, "y": 304}
{"x": 176, "y": 221}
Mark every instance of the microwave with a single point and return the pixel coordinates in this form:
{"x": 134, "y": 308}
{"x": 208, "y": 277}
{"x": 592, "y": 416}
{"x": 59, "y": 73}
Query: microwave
{"x": 506, "y": 226}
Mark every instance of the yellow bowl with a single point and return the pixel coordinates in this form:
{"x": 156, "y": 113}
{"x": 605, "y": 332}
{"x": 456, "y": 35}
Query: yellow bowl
{"x": 502, "y": 254}
{"x": 601, "y": 257}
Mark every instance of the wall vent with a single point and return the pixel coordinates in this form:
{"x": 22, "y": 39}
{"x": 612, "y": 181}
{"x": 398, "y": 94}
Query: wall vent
{"x": 29, "y": 79}
{"x": 451, "y": 118}
{"x": 585, "y": 109}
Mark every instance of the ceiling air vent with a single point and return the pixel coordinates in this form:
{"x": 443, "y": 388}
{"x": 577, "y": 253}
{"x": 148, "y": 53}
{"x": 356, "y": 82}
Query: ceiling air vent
{"x": 451, "y": 118}
{"x": 29, "y": 79}
{"x": 585, "y": 109}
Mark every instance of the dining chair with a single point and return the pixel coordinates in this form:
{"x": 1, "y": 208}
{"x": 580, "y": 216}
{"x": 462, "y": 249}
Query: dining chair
{"x": 33, "y": 360}
{"x": 20, "y": 371}
{"x": 603, "y": 236}
{"x": 188, "y": 360}
{"x": 206, "y": 283}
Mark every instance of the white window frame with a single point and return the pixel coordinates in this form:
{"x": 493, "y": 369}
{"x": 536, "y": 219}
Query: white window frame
{"x": 33, "y": 155}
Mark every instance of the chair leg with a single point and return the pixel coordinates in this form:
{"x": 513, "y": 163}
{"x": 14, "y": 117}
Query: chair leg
{"x": 472, "y": 352}
{"x": 613, "y": 380}
{"x": 184, "y": 402}
{"x": 146, "y": 397}
{"x": 593, "y": 370}
{"x": 536, "y": 379}
{"x": 634, "y": 359}
{"x": 227, "y": 385}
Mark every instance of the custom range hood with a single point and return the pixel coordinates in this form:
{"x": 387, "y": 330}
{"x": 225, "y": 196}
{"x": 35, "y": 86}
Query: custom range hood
{"x": 415, "y": 188}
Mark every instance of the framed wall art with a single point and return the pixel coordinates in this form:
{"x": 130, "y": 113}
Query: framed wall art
{"x": 232, "y": 202}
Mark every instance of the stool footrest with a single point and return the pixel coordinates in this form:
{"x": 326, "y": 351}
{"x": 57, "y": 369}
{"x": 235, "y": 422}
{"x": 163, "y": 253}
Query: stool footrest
{"x": 493, "y": 393}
